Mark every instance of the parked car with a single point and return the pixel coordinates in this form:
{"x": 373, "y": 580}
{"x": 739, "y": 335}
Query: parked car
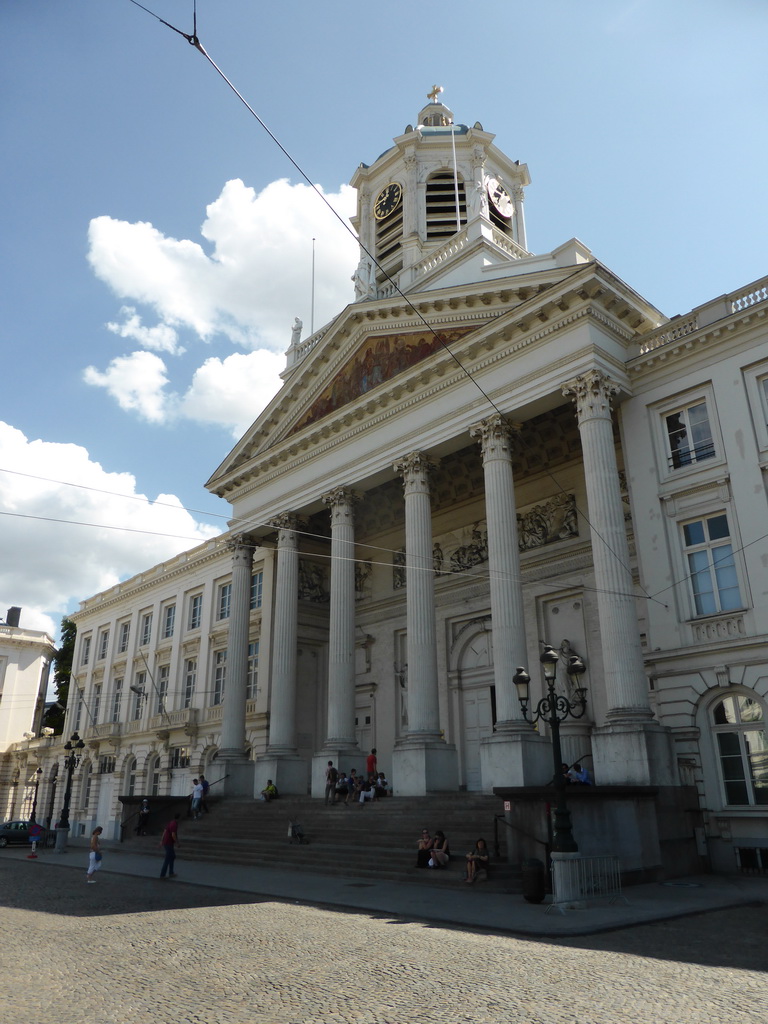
{"x": 18, "y": 832}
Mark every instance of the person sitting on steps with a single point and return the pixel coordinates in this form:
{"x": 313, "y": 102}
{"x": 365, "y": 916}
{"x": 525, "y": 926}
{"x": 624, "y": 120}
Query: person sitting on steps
{"x": 424, "y": 849}
{"x": 440, "y": 854}
{"x": 269, "y": 792}
{"x": 367, "y": 791}
{"x": 477, "y": 862}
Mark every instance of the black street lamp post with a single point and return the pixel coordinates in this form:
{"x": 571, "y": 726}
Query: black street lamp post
{"x": 32, "y": 819}
{"x": 71, "y": 761}
{"x": 52, "y": 799}
{"x": 553, "y": 709}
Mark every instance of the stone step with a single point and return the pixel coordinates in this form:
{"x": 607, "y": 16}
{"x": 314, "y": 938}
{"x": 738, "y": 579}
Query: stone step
{"x": 255, "y": 833}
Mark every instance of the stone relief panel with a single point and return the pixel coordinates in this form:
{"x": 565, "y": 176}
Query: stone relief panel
{"x": 547, "y": 522}
{"x": 544, "y": 523}
{"x": 313, "y": 582}
{"x": 362, "y": 574}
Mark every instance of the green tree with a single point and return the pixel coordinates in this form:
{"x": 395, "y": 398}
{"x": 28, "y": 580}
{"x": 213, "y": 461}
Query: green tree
{"x": 62, "y": 668}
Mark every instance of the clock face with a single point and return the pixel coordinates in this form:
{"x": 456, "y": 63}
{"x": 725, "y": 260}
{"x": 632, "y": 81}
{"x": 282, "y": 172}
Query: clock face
{"x": 500, "y": 198}
{"x": 387, "y": 200}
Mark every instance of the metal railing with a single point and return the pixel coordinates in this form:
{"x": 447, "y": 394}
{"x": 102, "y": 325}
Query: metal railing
{"x": 577, "y": 879}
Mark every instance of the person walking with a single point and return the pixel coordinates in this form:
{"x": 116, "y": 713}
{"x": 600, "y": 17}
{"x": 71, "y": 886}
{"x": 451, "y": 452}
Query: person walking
{"x": 197, "y": 799}
{"x": 204, "y": 799}
{"x": 170, "y": 843}
{"x": 370, "y": 765}
{"x": 94, "y": 857}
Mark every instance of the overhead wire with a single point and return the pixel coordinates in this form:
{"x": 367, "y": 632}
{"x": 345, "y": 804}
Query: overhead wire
{"x": 193, "y": 40}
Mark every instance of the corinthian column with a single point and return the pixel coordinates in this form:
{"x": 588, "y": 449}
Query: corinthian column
{"x": 508, "y": 623}
{"x": 282, "y": 714}
{"x": 423, "y": 701}
{"x": 233, "y": 713}
{"x": 341, "y": 630}
{"x": 623, "y": 671}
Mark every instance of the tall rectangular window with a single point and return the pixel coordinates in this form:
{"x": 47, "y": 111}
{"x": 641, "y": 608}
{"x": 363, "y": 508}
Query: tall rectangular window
{"x": 689, "y": 435}
{"x": 103, "y": 644}
{"x": 85, "y": 650}
{"x": 169, "y": 619}
{"x": 179, "y": 757}
{"x": 96, "y": 704}
{"x": 709, "y": 551}
{"x": 139, "y": 694}
{"x": 219, "y": 676}
{"x": 195, "y": 611}
{"x": 257, "y": 588}
{"x": 190, "y": 678}
{"x": 125, "y": 632}
{"x": 161, "y": 697}
{"x": 117, "y": 699}
{"x": 76, "y": 717}
{"x": 253, "y": 670}
{"x": 146, "y": 628}
{"x": 224, "y": 601}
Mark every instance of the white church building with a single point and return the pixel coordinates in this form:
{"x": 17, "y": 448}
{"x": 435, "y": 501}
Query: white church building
{"x": 486, "y": 450}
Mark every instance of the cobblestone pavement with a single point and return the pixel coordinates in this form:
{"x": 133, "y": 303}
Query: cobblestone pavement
{"x": 130, "y": 950}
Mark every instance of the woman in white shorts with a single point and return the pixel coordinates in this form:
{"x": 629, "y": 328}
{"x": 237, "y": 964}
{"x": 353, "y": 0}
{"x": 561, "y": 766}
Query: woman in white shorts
{"x": 94, "y": 858}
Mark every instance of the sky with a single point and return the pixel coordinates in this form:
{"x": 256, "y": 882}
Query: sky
{"x": 157, "y": 243}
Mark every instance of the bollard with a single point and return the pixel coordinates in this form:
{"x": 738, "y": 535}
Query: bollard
{"x": 533, "y": 880}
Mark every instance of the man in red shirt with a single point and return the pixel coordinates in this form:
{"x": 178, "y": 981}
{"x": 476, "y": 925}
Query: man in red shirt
{"x": 170, "y": 843}
{"x": 370, "y": 765}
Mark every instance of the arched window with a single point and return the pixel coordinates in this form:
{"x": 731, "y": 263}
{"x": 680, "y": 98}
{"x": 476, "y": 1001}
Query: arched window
{"x": 739, "y": 728}
{"x": 130, "y": 776}
{"x": 153, "y": 775}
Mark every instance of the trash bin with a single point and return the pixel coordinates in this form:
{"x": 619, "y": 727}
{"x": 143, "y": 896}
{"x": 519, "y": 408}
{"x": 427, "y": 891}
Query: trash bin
{"x": 533, "y": 880}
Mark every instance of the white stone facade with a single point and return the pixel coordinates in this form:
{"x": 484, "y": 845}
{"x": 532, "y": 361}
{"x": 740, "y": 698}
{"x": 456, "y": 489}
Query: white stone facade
{"x": 487, "y": 450}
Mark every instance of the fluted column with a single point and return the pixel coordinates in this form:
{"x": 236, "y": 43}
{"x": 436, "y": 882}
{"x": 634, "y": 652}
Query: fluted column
{"x": 624, "y": 674}
{"x": 233, "y": 713}
{"x": 282, "y": 719}
{"x": 423, "y": 702}
{"x": 341, "y": 629}
{"x": 508, "y": 622}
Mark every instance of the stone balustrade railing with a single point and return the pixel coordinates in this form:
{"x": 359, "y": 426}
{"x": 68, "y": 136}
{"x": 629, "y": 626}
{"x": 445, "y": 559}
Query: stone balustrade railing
{"x": 735, "y": 302}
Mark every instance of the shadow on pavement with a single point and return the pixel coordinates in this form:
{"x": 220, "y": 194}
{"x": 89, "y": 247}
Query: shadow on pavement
{"x": 735, "y": 938}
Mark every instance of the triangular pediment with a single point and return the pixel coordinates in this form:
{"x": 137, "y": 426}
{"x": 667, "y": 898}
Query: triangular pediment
{"x": 378, "y": 357}
{"x": 378, "y": 360}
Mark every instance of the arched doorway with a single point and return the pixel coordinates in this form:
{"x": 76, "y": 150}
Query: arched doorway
{"x": 473, "y": 659}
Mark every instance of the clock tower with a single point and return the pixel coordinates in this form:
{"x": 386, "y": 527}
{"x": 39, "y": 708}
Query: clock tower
{"x": 437, "y": 207}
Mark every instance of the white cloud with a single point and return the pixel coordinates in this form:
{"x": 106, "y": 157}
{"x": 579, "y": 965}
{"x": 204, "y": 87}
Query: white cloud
{"x": 136, "y": 382}
{"x": 161, "y": 338}
{"x": 247, "y": 292}
{"x": 258, "y": 276}
{"x": 228, "y": 392}
{"x": 48, "y": 566}
{"x": 232, "y": 391}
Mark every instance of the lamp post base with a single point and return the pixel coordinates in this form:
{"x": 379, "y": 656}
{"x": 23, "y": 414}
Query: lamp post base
{"x": 62, "y": 834}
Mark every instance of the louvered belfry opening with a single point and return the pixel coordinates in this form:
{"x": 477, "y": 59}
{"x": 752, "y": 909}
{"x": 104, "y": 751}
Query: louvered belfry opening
{"x": 389, "y": 239}
{"x": 441, "y": 206}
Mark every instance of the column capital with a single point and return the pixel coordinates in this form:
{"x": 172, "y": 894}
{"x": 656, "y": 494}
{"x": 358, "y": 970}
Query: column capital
{"x": 415, "y": 469}
{"x": 342, "y": 499}
{"x": 288, "y": 523}
{"x": 242, "y": 544}
{"x": 591, "y": 393}
{"x": 494, "y": 434}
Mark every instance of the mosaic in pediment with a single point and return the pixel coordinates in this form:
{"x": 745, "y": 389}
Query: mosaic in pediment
{"x": 378, "y": 361}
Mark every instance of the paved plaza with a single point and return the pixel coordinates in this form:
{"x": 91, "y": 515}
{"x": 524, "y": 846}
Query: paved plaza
{"x": 134, "y": 949}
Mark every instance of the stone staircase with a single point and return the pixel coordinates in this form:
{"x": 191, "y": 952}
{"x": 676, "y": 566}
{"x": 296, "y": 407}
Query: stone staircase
{"x": 375, "y": 842}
